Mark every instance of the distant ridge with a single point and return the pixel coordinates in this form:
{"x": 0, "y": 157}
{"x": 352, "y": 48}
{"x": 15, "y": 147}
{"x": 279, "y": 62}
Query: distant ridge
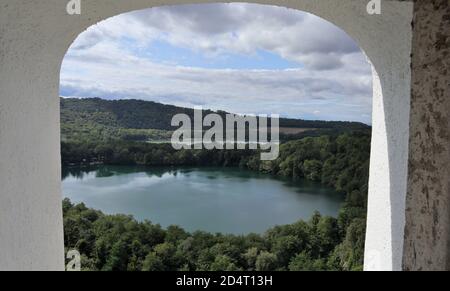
{"x": 139, "y": 114}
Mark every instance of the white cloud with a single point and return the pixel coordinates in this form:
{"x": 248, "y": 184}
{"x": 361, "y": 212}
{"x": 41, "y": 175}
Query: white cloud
{"x": 332, "y": 72}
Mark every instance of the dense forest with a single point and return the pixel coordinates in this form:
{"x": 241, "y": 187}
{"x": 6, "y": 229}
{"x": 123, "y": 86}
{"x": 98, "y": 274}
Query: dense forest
{"x": 95, "y": 119}
{"x": 118, "y": 242}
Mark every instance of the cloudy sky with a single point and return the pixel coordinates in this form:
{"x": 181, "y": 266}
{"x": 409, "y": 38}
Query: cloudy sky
{"x": 242, "y": 58}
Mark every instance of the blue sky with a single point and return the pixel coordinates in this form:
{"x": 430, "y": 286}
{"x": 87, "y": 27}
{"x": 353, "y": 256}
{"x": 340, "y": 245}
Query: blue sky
{"x": 242, "y": 58}
{"x": 163, "y": 52}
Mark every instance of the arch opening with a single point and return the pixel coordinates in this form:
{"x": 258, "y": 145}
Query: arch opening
{"x": 30, "y": 204}
{"x": 315, "y": 68}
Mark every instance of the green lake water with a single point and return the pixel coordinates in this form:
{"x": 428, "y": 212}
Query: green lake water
{"x": 226, "y": 200}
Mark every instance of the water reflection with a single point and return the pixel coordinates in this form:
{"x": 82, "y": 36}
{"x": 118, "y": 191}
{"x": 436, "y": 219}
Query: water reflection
{"x": 225, "y": 200}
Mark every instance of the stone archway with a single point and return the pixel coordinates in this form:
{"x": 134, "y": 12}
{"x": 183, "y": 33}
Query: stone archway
{"x": 30, "y": 202}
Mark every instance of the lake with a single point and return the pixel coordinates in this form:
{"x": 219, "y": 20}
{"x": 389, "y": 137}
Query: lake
{"x": 227, "y": 200}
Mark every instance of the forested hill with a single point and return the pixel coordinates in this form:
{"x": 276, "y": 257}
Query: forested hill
{"x": 140, "y": 114}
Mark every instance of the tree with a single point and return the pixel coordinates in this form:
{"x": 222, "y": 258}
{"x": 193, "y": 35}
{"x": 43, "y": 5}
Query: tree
{"x": 266, "y": 261}
{"x": 312, "y": 170}
{"x": 251, "y": 256}
{"x": 285, "y": 248}
{"x": 223, "y": 263}
{"x": 175, "y": 233}
{"x": 153, "y": 263}
{"x": 166, "y": 254}
{"x": 303, "y": 262}
{"x": 350, "y": 254}
{"x": 118, "y": 258}
{"x": 328, "y": 234}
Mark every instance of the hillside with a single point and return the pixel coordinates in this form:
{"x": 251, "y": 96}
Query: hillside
{"x": 95, "y": 118}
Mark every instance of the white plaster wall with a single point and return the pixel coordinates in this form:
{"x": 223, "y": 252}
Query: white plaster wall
{"x": 34, "y": 37}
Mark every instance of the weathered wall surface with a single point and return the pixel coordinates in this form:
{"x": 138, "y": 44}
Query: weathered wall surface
{"x": 31, "y": 235}
{"x": 427, "y": 231}
{"x": 34, "y": 37}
